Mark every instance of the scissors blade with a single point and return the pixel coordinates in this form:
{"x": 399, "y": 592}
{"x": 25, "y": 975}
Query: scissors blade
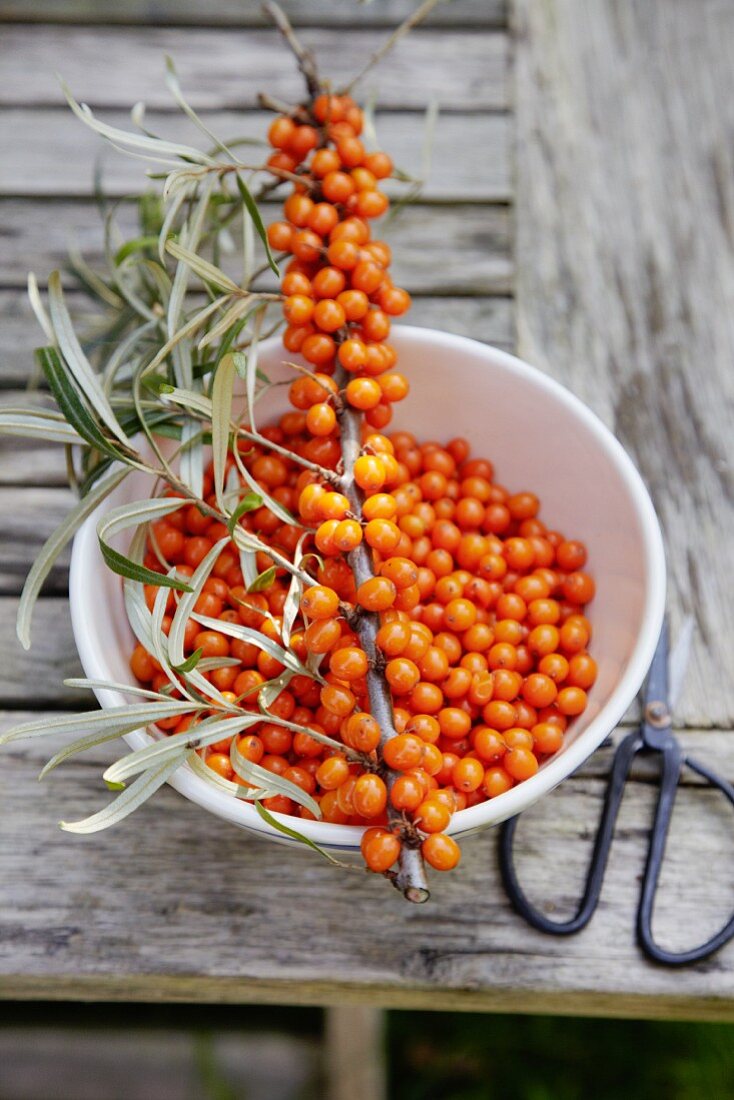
{"x": 679, "y": 658}
{"x": 656, "y": 686}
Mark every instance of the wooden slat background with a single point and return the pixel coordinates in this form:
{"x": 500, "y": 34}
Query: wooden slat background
{"x": 580, "y": 208}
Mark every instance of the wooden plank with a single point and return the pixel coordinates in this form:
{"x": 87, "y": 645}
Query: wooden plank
{"x": 625, "y": 194}
{"x": 36, "y": 237}
{"x": 488, "y": 319}
{"x": 123, "y": 915}
{"x": 116, "y": 66}
{"x": 37, "y": 674}
{"x": 233, "y": 13}
{"x": 29, "y": 517}
{"x": 470, "y": 153}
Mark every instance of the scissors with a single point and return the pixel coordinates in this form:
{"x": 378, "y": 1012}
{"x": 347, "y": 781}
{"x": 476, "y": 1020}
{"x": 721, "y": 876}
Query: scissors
{"x": 654, "y": 735}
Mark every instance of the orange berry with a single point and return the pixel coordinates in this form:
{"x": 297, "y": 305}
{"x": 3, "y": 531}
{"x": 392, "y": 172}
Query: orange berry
{"x": 347, "y": 535}
{"x": 402, "y": 675}
{"x": 321, "y": 419}
{"x": 380, "y": 849}
{"x": 362, "y": 393}
{"x": 441, "y": 852}
{"x": 382, "y": 535}
{"x": 319, "y": 602}
{"x": 403, "y": 752}
{"x": 369, "y": 795}
{"x": 369, "y": 473}
{"x": 377, "y": 593}
{"x": 432, "y": 816}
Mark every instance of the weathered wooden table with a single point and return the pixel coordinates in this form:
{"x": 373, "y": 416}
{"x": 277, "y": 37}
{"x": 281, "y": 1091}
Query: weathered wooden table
{"x": 580, "y": 210}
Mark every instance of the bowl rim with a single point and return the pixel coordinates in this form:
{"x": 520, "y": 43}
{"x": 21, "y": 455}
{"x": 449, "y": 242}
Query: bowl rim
{"x": 85, "y": 552}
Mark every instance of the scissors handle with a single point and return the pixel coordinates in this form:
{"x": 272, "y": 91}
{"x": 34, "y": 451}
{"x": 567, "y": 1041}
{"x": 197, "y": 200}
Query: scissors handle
{"x": 623, "y": 757}
{"x": 672, "y": 762}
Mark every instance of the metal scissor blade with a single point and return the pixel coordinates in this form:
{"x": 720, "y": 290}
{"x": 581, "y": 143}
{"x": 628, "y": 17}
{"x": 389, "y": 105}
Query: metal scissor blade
{"x": 679, "y": 658}
{"x": 656, "y": 686}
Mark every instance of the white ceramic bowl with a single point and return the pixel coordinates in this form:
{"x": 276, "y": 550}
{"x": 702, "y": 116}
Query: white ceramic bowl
{"x": 539, "y": 437}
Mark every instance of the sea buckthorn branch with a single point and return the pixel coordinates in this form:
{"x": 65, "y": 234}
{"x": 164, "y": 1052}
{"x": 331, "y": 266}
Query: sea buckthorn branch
{"x": 410, "y": 878}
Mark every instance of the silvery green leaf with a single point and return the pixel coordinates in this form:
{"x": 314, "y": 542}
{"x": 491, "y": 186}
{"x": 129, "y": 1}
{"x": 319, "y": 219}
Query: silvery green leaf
{"x": 235, "y": 313}
{"x": 263, "y": 580}
{"x": 54, "y": 545}
{"x": 251, "y": 208}
{"x": 137, "y": 610}
{"x": 92, "y": 280}
{"x": 206, "y": 271}
{"x": 252, "y": 355}
{"x": 189, "y": 237}
{"x": 27, "y": 424}
{"x": 140, "y": 791}
{"x": 249, "y": 503}
{"x": 222, "y": 391}
{"x": 129, "y": 515}
{"x": 34, "y": 297}
{"x": 270, "y": 502}
{"x": 174, "y": 87}
{"x": 261, "y": 777}
{"x": 189, "y": 399}
{"x": 156, "y": 147}
{"x": 196, "y": 737}
{"x": 271, "y": 689}
{"x": 76, "y": 360}
{"x": 247, "y": 634}
{"x": 174, "y": 204}
{"x": 199, "y": 768}
{"x": 294, "y": 594}
{"x": 113, "y": 685}
{"x": 114, "y": 720}
{"x": 192, "y": 457}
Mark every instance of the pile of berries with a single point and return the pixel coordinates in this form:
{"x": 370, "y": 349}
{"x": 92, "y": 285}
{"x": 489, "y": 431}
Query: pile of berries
{"x": 482, "y": 636}
{"x": 338, "y": 296}
{"x": 477, "y": 606}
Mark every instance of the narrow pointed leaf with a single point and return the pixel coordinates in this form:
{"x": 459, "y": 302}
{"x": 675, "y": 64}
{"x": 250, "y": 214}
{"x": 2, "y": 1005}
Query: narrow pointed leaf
{"x": 53, "y": 546}
{"x": 261, "y": 777}
{"x": 128, "y": 515}
{"x": 135, "y": 795}
{"x": 206, "y": 271}
{"x": 222, "y": 391}
{"x": 263, "y": 580}
{"x": 295, "y": 835}
{"x": 252, "y": 209}
{"x": 71, "y": 405}
{"x": 249, "y": 503}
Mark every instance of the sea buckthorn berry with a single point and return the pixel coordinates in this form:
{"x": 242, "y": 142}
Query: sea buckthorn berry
{"x": 220, "y": 764}
{"x": 432, "y": 816}
{"x": 321, "y": 419}
{"x": 318, "y": 348}
{"x": 319, "y": 602}
{"x": 369, "y": 473}
{"x": 369, "y": 795}
{"x": 280, "y": 132}
{"x": 394, "y": 386}
{"x": 406, "y": 793}
{"x": 322, "y": 635}
{"x": 403, "y": 751}
{"x": 303, "y": 141}
{"x": 328, "y": 315}
{"x": 402, "y": 675}
{"x": 333, "y": 505}
{"x": 379, "y": 164}
{"x": 581, "y": 671}
{"x": 352, "y": 354}
{"x": 355, "y": 304}
{"x": 367, "y": 276}
{"x": 468, "y": 774}
{"x": 539, "y": 690}
{"x": 325, "y": 161}
{"x": 578, "y": 587}
{"x": 377, "y": 593}
{"x": 338, "y": 187}
{"x": 488, "y": 744}
{"x": 547, "y": 738}
{"x": 362, "y": 732}
{"x": 347, "y": 535}
{"x": 441, "y": 852}
{"x": 571, "y": 700}
{"x": 363, "y": 393}
{"x": 297, "y": 208}
{"x": 379, "y": 506}
{"x": 520, "y": 763}
{"x": 574, "y": 635}
{"x": 380, "y": 848}
{"x": 280, "y": 236}
{"x": 349, "y": 663}
{"x": 332, "y": 772}
{"x": 554, "y": 665}
{"x": 392, "y": 638}
{"x": 328, "y": 282}
{"x": 401, "y": 571}
{"x": 497, "y": 780}
{"x": 382, "y": 535}
{"x": 393, "y": 300}
{"x": 571, "y": 556}
{"x": 322, "y": 218}
{"x": 543, "y": 639}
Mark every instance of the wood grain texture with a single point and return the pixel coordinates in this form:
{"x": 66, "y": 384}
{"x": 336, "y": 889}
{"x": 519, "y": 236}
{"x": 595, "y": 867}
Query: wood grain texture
{"x": 30, "y": 515}
{"x": 116, "y": 66}
{"x": 72, "y": 910}
{"x": 36, "y": 236}
{"x": 248, "y": 13}
{"x": 625, "y": 267}
{"x": 354, "y": 1049}
{"x": 469, "y": 160}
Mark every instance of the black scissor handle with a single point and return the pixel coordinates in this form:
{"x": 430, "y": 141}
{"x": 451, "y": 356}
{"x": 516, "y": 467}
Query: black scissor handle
{"x": 623, "y": 757}
{"x": 672, "y": 761}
